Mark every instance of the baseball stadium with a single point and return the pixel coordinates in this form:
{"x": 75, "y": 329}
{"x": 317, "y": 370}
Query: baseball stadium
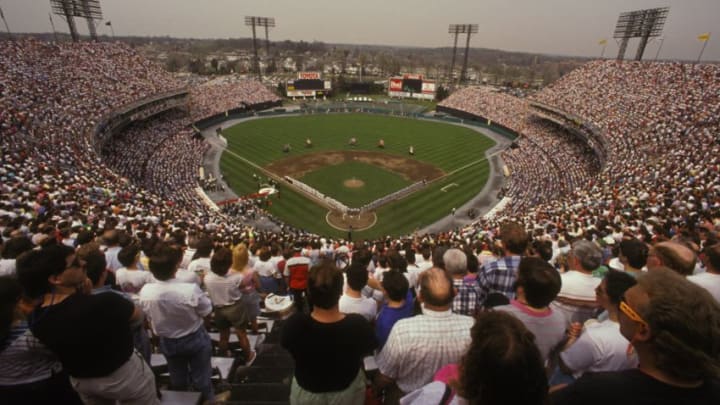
{"x": 184, "y": 221}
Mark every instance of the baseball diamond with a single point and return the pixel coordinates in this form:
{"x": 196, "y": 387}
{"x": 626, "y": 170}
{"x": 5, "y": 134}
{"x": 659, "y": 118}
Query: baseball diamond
{"x": 359, "y": 174}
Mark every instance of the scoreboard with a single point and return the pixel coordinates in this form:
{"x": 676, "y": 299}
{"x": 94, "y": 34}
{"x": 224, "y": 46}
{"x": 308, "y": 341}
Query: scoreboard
{"x": 308, "y": 84}
{"x": 411, "y": 86}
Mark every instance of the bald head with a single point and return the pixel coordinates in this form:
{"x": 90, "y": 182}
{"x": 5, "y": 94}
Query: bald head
{"x": 672, "y": 255}
{"x": 436, "y": 288}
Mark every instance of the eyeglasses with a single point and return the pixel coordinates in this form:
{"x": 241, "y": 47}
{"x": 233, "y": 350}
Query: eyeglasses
{"x": 629, "y": 312}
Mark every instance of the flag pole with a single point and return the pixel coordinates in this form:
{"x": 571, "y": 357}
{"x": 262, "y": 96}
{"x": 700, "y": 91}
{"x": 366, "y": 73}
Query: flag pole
{"x": 662, "y": 41}
{"x": 703, "y": 47}
{"x": 52, "y": 24}
{"x": 109, "y": 23}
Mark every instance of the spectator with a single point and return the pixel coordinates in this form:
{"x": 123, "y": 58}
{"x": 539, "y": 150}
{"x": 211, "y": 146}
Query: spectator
{"x": 537, "y": 285}
{"x": 710, "y": 279}
{"x": 226, "y": 297}
{"x": 267, "y": 271}
{"x": 674, "y": 327}
{"x": 96, "y": 269}
{"x": 176, "y": 311}
{"x": 249, "y": 284}
{"x": 600, "y": 346}
{"x": 102, "y": 363}
{"x": 111, "y": 238}
{"x": 30, "y": 372}
{"x": 11, "y": 250}
{"x": 672, "y": 255}
{"x": 633, "y": 256}
{"x": 419, "y": 346}
{"x": 502, "y": 357}
{"x": 352, "y": 301}
{"x": 200, "y": 261}
{"x": 499, "y": 276}
{"x": 327, "y": 345}
{"x": 399, "y": 305}
{"x": 466, "y": 293}
{"x": 129, "y": 277}
{"x": 296, "y": 273}
{"x": 577, "y": 295}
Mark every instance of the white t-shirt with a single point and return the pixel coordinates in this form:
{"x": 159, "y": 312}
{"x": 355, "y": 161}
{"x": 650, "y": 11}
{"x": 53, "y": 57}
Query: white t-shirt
{"x": 187, "y": 276}
{"x": 132, "y": 281}
{"x": 600, "y": 347}
{"x": 578, "y": 286}
{"x": 265, "y": 269}
{"x": 708, "y": 281}
{"x": 7, "y": 267}
{"x": 378, "y": 273}
{"x": 367, "y": 307}
{"x": 201, "y": 264}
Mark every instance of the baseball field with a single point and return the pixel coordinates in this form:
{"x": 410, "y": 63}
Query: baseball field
{"x": 450, "y": 158}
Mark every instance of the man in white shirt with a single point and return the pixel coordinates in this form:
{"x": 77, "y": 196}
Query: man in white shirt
{"x": 710, "y": 279}
{"x": 352, "y": 301}
{"x": 577, "y": 294}
{"x": 419, "y": 346}
{"x": 176, "y": 311}
{"x": 112, "y": 241}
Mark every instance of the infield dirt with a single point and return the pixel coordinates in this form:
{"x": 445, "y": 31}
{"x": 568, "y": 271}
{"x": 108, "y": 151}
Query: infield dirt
{"x": 411, "y": 169}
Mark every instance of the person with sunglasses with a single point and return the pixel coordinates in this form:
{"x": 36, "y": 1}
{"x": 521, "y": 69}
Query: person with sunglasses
{"x": 90, "y": 334}
{"x": 601, "y": 346}
{"x": 673, "y": 325}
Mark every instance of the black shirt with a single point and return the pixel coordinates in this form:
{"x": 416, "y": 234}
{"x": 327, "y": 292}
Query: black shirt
{"x": 327, "y": 356}
{"x": 90, "y": 334}
{"x": 633, "y": 387}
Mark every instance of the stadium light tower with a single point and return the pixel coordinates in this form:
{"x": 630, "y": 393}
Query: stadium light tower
{"x": 87, "y": 9}
{"x": 642, "y": 24}
{"x": 266, "y": 22}
{"x": 456, "y": 30}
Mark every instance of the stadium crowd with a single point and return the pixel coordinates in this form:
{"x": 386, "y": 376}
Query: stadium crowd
{"x": 223, "y": 94}
{"x": 561, "y": 274}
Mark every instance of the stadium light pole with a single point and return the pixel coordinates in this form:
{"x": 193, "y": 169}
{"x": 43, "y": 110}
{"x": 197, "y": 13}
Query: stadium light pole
{"x": 643, "y": 24}
{"x": 259, "y": 22}
{"x": 87, "y": 9}
{"x": 470, "y": 29}
{"x": 454, "y": 29}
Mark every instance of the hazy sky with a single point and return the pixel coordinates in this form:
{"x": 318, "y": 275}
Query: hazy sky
{"x": 568, "y": 27}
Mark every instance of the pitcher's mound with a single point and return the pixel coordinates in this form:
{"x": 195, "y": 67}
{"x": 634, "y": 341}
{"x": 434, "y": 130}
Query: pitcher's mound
{"x": 353, "y": 183}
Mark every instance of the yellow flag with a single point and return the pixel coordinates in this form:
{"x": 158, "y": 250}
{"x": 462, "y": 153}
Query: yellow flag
{"x": 704, "y": 37}
{"x": 602, "y": 42}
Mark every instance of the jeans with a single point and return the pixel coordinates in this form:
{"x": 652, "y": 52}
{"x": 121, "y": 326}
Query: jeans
{"x": 188, "y": 359}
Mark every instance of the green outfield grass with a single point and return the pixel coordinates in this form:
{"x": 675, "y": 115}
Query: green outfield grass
{"x": 454, "y": 149}
{"x": 377, "y": 182}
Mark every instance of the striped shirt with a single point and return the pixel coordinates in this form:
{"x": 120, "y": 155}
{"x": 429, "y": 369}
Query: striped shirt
{"x": 498, "y": 277}
{"x": 24, "y": 359}
{"x": 466, "y": 299}
{"x": 419, "y": 346}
